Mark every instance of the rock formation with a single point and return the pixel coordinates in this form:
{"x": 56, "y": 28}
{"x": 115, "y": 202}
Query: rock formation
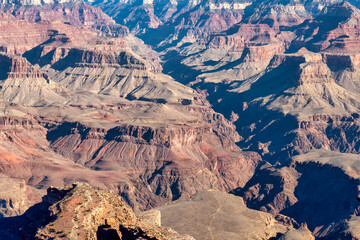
{"x": 178, "y": 16}
{"x": 300, "y": 91}
{"x": 26, "y": 84}
{"x": 79, "y": 211}
{"x": 334, "y": 27}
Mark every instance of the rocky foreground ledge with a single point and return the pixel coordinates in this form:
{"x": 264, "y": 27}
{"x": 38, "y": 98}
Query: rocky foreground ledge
{"x": 81, "y": 212}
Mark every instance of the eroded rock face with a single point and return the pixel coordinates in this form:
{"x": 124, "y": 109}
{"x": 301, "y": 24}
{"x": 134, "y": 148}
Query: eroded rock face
{"x": 81, "y": 60}
{"x": 50, "y": 19}
{"x": 169, "y": 159}
{"x": 149, "y": 163}
{"x": 79, "y": 211}
{"x": 25, "y": 84}
{"x": 301, "y": 97}
{"x": 73, "y": 12}
{"x": 336, "y": 22}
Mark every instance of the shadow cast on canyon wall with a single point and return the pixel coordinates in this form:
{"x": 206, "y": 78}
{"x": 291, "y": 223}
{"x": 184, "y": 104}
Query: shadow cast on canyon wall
{"x": 105, "y": 232}
{"x": 325, "y": 196}
{"x": 25, "y": 226}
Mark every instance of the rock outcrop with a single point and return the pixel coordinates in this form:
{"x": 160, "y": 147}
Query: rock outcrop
{"x": 26, "y": 84}
{"x": 79, "y": 211}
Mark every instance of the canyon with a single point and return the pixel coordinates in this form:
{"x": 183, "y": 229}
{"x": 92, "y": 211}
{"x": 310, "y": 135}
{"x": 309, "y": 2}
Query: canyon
{"x": 179, "y": 119}
{"x": 114, "y": 133}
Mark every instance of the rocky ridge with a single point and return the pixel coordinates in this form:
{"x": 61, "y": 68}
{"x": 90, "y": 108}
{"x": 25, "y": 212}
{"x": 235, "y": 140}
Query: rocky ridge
{"x": 79, "y": 211}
